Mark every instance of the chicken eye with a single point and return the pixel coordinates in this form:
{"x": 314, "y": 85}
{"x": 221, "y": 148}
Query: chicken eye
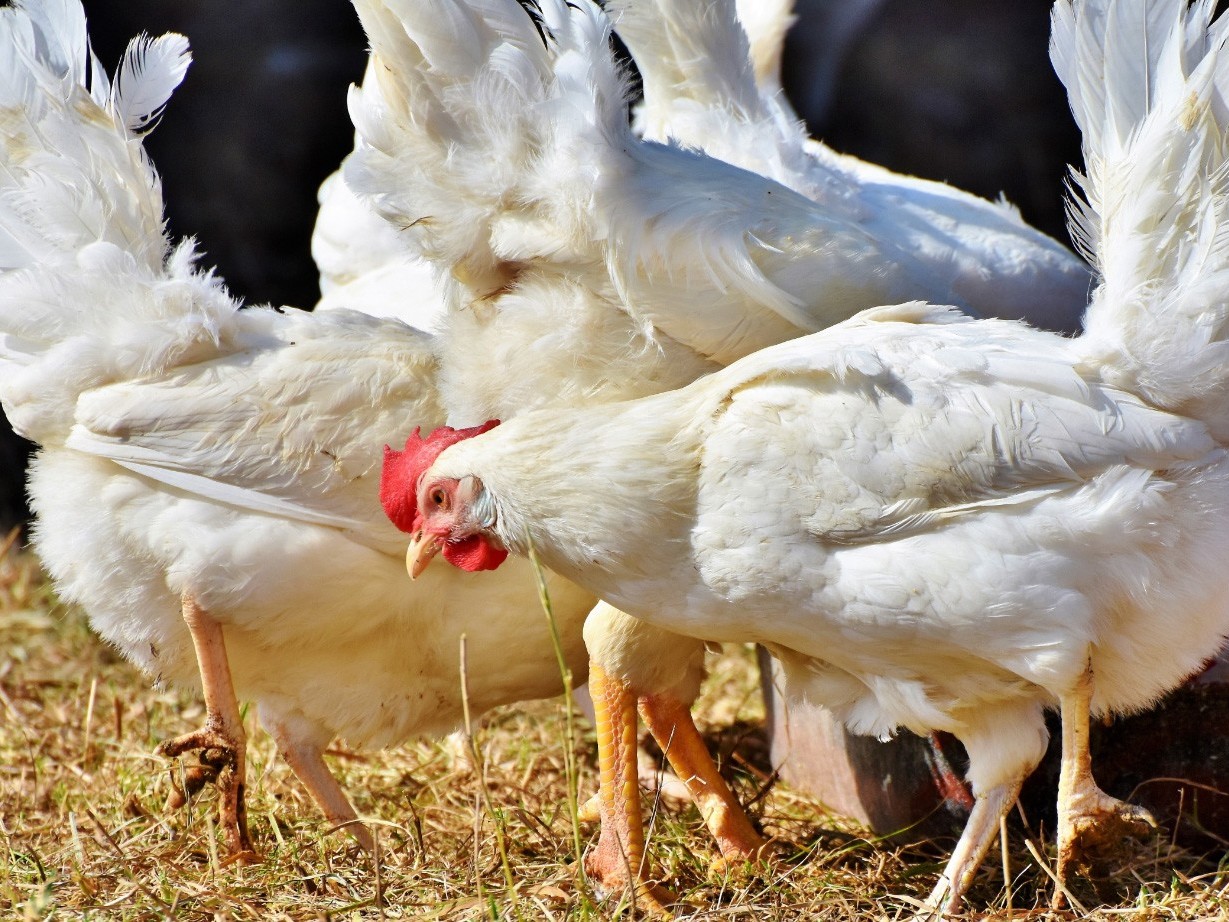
{"x": 437, "y": 496}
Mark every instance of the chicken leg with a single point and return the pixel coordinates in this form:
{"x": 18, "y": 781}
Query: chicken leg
{"x": 620, "y": 852}
{"x": 307, "y": 762}
{"x": 618, "y": 858}
{"x": 1089, "y": 820}
{"x": 978, "y": 835}
{"x": 222, "y": 738}
{"x": 669, "y": 720}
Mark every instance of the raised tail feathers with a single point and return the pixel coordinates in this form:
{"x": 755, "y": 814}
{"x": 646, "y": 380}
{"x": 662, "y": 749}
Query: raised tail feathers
{"x": 689, "y": 54}
{"x": 90, "y": 289}
{"x": 702, "y": 87}
{"x": 766, "y": 22}
{"x": 1147, "y": 81}
{"x": 75, "y": 171}
{"x": 471, "y": 102}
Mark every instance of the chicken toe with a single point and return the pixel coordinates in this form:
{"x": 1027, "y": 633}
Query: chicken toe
{"x": 978, "y": 835}
{"x": 222, "y": 764}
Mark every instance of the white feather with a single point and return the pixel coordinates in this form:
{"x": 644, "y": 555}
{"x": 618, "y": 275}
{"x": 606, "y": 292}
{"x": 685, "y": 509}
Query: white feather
{"x": 932, "y": 521}
{"x": 149, "y": 72}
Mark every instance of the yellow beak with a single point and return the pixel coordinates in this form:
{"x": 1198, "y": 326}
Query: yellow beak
{"x": 422, "y": 548}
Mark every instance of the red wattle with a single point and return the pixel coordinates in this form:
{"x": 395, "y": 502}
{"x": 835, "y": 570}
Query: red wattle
{"x": 474, "y": 553}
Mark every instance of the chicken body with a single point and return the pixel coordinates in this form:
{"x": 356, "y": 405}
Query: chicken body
{"x": 935, "y": 522}
{"x": 928, "y": 519}
{"x": 207, "y": 480}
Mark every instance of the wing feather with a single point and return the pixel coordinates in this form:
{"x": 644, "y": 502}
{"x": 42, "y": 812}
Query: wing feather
{"x": 879, "y": 435}
{"x": 293, "y": 426}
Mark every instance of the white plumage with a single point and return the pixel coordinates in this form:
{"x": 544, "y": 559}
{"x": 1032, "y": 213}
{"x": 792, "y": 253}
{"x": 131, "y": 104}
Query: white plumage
{"x": 200, "y": 457}
{"x": 585, "y": 263}
{"x": 700, "y": 90}
{"x": 363, "y": 261}
{"x": 935, "y": 522}
{"x": 198, "y": 460}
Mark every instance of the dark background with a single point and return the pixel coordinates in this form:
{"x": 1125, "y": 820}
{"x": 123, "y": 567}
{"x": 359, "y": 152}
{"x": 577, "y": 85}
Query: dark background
{"x": 957, "y": 90}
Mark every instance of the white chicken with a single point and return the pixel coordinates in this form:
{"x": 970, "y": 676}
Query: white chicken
{"x": 931, "y": 521}
{"x": 207, "y": 481}
{"x": 584, "y": 265}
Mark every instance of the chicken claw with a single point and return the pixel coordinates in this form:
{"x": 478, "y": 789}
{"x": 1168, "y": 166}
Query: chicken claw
{"x": 617, "y": 862}
{"x": 221, "y": 765}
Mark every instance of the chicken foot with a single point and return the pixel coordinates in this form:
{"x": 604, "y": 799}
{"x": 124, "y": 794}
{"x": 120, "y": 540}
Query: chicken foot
{"x": 307, "y": 762}
{"x": 617, "y": 861}
{"x": 222, "y": 739}
{"x": 978, "y": 835}
{"x": 1091, "y": 824}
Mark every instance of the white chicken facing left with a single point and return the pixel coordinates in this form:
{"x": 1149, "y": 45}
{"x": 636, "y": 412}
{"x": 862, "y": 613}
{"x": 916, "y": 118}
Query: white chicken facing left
{"x": 207, "y": 480}
{"x": 934, "y": 522}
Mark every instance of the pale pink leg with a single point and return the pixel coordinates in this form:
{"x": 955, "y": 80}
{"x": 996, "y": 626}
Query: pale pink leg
{"x": 222, "y": 738}
{"x": 307, "y": 762}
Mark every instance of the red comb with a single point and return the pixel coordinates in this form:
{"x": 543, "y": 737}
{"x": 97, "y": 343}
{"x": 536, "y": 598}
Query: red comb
{"x": 403, "y": 469}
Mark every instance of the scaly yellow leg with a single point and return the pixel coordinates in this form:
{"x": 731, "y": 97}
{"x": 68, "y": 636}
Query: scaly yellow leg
{"x": 618, "y": 861}
{"x": 669, "y": 720}
{"x": 1089, "y": 820}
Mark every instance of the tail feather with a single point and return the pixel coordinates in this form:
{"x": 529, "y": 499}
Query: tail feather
{"x": 701, "y": 90}
{"x": 52, "y": 41}
{"x": 1147, "y": 82}
{"x": 149, "y": 73}
{"x": 73, "y": 175}
{"x": 766, "y": 22}
{"x": 688, "y": 53}
{"x": 90, "y": 290}
{"x": 470, "y": 97}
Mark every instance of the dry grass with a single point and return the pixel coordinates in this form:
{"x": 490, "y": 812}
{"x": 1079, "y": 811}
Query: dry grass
{"x": 84, "y": 835}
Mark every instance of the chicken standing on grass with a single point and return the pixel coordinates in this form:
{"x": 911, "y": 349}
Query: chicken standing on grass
{"x": 207, "y": 480}
{"x": 583, "y": 265}
{"x": 931, "y": 521}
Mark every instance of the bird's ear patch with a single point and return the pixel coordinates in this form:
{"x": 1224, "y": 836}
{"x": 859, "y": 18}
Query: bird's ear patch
{"x": 403, "y": 470}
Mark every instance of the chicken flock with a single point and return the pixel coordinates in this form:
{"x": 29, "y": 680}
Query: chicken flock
{"x": 730, "y": 386}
